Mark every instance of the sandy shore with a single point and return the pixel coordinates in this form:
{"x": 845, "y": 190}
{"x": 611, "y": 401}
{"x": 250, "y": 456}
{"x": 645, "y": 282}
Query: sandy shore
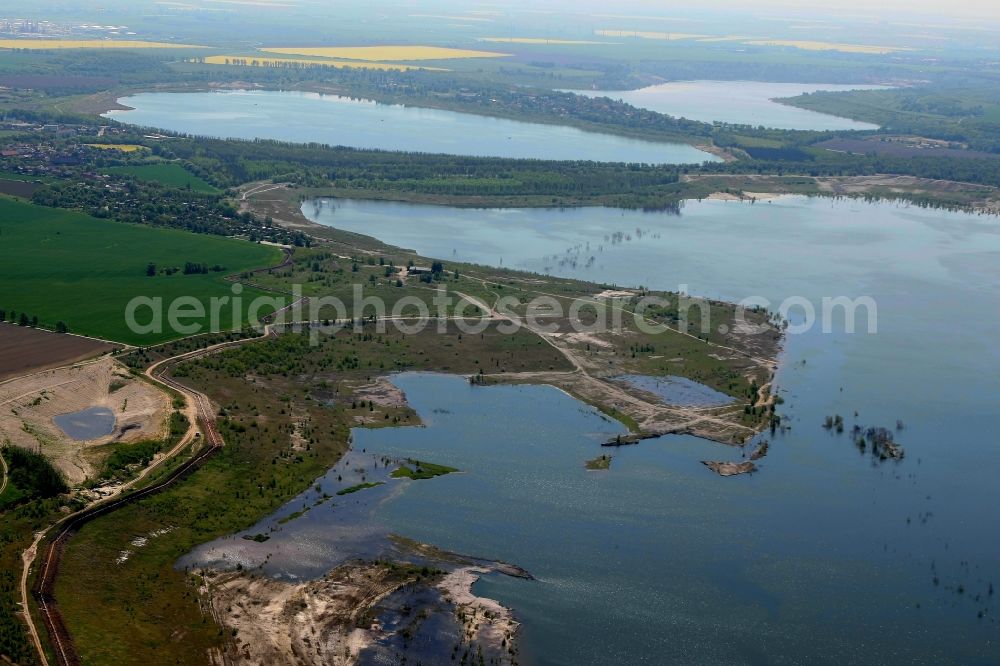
{"x": 334, "y": 619}
{"x": 278, "y": 622}
{"x": 745, "y": 196}
{"x": 484, "y": 620}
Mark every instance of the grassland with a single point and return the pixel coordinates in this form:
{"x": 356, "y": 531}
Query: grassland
{"x": 254, "y": 61}
{"x": 62, "y": 265}
{"x": 49, "y": 44}
{"x": 165, "y": 173}
{"x": 385, "y": 53}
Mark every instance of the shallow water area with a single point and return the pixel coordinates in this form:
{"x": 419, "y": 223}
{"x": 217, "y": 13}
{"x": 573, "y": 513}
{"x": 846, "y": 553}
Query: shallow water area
{"x": 678, "y": 390}
{"x": 316, "y": 531}
{"x": 87, "y": 424}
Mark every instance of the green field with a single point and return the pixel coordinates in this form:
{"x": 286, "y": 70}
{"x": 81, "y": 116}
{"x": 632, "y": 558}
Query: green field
{"x": 172, "y": 175}
{"x": 62, "y": 265}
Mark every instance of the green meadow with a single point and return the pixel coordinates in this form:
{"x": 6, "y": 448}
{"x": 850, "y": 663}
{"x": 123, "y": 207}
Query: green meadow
{"x": 65, "y": 266}
{"x": 165, "y": 173}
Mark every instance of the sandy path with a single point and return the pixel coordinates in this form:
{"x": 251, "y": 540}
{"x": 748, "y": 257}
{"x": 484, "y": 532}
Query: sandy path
{"x": 198, "y": 409}
{"x": 260, "y": 189}
{"x": 27, "y": 558}
{"x": 653, "y": 417}
{"x": 3, "y": 486}
{"x": 494, "y": 314}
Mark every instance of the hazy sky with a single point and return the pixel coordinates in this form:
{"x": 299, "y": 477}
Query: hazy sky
{"x": 896, "y": 9}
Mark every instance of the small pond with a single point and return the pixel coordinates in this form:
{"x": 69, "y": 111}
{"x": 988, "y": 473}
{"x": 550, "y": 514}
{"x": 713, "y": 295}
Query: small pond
{"x": 678, "y": 390}
{"x": 89, "y": 423}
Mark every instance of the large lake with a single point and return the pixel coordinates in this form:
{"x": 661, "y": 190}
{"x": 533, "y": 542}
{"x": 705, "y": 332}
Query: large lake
{"x": 740, "y": 102}
{"x": 341, "y": 121}
{"x": 824, "y": 556}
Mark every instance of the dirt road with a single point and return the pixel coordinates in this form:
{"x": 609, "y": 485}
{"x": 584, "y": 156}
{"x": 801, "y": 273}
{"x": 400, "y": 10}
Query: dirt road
{"x": 201, "y": 417}
{"x": 3, "y": 486}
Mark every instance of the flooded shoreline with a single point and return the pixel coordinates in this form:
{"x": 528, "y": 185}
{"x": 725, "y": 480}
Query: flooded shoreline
{"x": 723, "y": 568}
{"x": 345, "y": 588}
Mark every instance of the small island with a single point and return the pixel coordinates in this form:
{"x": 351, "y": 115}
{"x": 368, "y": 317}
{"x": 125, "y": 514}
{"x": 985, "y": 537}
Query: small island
{"x": 729, "y": 468}
{"x": 599, "y": 463}
{"x": 417, "y": 470}
{"x": 360, "y": 486}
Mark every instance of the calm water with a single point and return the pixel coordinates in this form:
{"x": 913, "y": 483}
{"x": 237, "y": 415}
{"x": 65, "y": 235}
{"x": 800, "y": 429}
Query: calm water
{"x": 740, "y": 102}
{"x": 334, "y": 120}
{"x": 89, "y": 423}
{"x": 678, "y": 390}
{"x": 823, "y": 556}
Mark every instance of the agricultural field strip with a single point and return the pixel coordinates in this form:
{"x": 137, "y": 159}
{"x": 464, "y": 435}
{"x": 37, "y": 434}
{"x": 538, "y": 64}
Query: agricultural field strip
{"x": 45, "y": 44}
{"x": 805, "y": 45}
{"x": 385, "y": 53}
{"x": 265, "y": 61}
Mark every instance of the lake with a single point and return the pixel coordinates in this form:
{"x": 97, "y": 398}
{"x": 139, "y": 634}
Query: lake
{"x": 302, "y": 117}
{"x": 739, "y": 102}
{"x": 824, "y": 555}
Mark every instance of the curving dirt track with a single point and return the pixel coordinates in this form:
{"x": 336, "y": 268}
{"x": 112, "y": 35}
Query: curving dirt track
{"x": 3, "y": 486}
{"x": 202, "y": 419}
{"x": 43, "y": 591}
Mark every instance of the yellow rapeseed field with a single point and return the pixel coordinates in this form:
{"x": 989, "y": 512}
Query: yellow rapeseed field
{"x": 253, "y": 61}
{"x": 804, "y": 44}
{"x": 828, "y": 46}
{"x": 537, "y": 40}
{"x": 89, "y": 44}
{"x": 123, "y": 147}
{"x": 382, "y": 53}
